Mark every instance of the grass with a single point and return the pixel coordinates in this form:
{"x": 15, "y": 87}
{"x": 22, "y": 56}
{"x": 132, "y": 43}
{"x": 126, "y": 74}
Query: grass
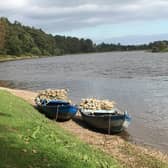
{"x": 12, "y": 57}
{"x": 29, "y": 140}
{"x": 165, "y": 50}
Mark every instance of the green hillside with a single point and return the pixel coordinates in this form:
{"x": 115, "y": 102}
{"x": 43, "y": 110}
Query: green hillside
{"x": 29, "y": 140}
{"x": 17, "y": 39}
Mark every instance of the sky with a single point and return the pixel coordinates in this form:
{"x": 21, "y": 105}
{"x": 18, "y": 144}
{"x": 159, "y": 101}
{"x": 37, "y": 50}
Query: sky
{"x": 112, "y": 21}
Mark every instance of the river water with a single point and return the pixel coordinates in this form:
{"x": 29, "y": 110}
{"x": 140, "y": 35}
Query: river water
{"x": 137, "y": 81}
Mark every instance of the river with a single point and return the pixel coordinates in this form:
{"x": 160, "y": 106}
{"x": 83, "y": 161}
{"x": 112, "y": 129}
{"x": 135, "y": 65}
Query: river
{"x": 137, "y": 81}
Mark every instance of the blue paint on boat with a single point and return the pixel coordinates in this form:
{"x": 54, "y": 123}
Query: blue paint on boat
{"x": 57, "y": 109}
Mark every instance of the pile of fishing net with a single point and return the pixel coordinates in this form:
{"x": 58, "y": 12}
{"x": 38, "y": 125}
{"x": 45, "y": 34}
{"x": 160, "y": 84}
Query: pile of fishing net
{"x": 50, "y": 94}
{"x": 95, "y": 104}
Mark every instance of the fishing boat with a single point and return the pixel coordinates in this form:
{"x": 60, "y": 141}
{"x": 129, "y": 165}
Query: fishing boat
{"x": 57, "y": 109}
{"x": 113, "y": 121}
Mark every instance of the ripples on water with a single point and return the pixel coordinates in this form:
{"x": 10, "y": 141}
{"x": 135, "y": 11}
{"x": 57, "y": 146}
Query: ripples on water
{"x": 138, "y": 81}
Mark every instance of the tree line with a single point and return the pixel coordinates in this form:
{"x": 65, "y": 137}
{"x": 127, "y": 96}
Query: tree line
{"x": 17, "y": 39}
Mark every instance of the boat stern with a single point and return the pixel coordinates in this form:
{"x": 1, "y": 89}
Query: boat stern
{"x": 127, "y": 120}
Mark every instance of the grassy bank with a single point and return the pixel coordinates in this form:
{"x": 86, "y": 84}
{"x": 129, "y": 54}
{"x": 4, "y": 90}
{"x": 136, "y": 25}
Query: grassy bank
{"x": 12, "y": 57}
{"x": 29, "y": 140}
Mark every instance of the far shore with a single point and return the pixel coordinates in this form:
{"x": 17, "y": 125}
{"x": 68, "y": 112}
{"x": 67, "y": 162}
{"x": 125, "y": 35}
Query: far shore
{"x": 126, "y": 152}
{"x": 4, "y": 58}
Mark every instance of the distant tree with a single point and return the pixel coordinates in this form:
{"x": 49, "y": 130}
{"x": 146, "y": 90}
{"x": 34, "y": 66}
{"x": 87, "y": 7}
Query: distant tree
{"x": 14, "y": 45}
{"x": 35, "y": 51}
{"x": 86, "y": 45}
{"x": 158, "y": 46}
{"x": 3, "y": 22}
{"x": 155, "y": 49}
{"x": 16, "y": 39}
{"x": 162, "y": 45}
{"x": 58, "y": 51}
{"x": 27, "y": 42}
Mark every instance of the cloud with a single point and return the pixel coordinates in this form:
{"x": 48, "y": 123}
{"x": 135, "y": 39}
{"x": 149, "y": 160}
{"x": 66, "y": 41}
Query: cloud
{"x": 57, "y": 16}
{"x": 10, "y": 4}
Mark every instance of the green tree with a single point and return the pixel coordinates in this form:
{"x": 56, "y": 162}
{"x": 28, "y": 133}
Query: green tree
{"x": 14, "y": 46}
{"x": 3, "y": 26}
{"x": 35, "y": 51}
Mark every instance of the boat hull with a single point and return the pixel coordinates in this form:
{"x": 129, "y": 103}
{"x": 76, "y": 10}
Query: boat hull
{"x": 112, "y": 123}
{"x": 59, "y": 112}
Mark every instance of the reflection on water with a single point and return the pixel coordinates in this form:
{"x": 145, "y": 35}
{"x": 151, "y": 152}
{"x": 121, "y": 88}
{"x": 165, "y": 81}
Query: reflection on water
{"x": 137, "y": 81}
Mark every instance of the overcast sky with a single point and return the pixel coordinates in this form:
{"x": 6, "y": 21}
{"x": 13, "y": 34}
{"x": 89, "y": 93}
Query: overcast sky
{"x": 125, "y": 21}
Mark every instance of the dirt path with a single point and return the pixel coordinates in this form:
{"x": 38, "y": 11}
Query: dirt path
{"x": 129, "y": 154}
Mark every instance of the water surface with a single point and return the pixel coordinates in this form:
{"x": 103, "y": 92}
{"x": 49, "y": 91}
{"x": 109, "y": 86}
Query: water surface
{"x": 137, "y": 81}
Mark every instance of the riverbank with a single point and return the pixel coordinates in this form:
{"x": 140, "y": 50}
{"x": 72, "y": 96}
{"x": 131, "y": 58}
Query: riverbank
{"x": 4, "y": 58}
{"x": 29, "y": 140}
{"x": 126, "y": 153}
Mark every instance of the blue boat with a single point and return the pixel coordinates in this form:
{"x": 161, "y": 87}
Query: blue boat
{"x": 57, "y": 109}
{"x": 112, "y": 121}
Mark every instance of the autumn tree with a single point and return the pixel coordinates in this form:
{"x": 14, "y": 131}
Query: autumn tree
{"x": 2, "y": 35}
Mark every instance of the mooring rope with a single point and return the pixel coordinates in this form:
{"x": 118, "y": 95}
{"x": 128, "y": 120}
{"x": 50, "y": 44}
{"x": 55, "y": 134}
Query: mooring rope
{"x": 56, "y": 117}
{"x": 109, "y": 125}
{"x": 109, "y": 131}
